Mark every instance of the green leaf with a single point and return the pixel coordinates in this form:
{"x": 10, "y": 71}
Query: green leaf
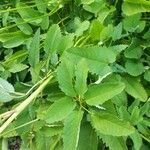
{"x": 98, "y": 94}
{"x": 5, "y": 90}
{"x": 94, "y": 7}
{"x": 29, "y": 14}
{"x": 137, "y": 140}
{"x": 86, "y": 1}
{"x": 135, "y": 116}
{"x": 25, "y": 28}
{"x": 135, "y": 88}
{"x": 17, "y": 67}
{"x": 45, "y": 23}
{"x": 97, "y": 58}
{"x": 16, "y": 57}
{"x": 133, "y": 23}
{"x": 65, "y": 74}
{"x": 106, "y": 33}
{"x": 134, "y": 50}
{"x": 52, "y": 40}
{"x": 80, "y": 27}
{"x": 72, "y": 130}
{"x": 147, "y": 75}
{"x": 34, "y": 49}
{"x": 81, "y": 77}
{"x": 112, "y": 142}
{"x": 117, "y": 32}
{"x": 95, "y": 29}
{"x": 66, "y": 42}
{"x": 42, "y": 142}
{"x": 12, "y": 39}
{"x": 41, "y": 5}
{"x": 109, "y": 124}
{"x": 131, "y": 7}
{"x": 51, "y": 131}
{"x": 59, "y": 110}
{"x": 87, "y": 138}
{"x": 134, "y": 68}
{"x": 120, "y": 99}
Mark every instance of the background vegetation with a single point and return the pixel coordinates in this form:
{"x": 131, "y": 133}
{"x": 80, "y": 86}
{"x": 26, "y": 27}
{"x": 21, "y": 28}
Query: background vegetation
{"x": 75, "y": 74}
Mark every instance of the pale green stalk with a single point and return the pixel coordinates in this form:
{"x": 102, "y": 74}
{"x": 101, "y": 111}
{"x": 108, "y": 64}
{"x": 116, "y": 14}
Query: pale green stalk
{"x": 25, "y": 103}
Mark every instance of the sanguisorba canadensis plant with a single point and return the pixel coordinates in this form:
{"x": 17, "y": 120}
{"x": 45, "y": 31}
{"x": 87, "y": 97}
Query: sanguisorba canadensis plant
{"x": 75, "y": 74}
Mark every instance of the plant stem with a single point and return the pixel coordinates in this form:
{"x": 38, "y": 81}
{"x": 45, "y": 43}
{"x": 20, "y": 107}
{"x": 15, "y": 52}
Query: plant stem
{"x": 24, "y": 104}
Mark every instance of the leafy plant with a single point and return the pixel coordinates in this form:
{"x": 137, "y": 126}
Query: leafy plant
{"x": 74, "y": 75}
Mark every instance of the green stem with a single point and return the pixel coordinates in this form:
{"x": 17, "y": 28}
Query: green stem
{"x": 25, "y": 103}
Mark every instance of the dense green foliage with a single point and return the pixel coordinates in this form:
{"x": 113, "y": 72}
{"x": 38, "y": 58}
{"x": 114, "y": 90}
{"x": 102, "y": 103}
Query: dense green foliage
{"x": 75, "y": 74}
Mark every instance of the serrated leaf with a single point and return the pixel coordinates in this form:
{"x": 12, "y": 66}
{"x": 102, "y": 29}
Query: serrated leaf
{"x": 87, "y": 138}
{"x": 65, "y": 74}
{"x": 135, "y": 88}
{"x": 5, "y": 89}
{"x": 97, "y": 58}
{"x": 112, "y": 142}
{"x": 34, "y": 49}
{"x": 131, "y": 7}
{"x": 72, "y": 130}
{"x": 109, "y": 124}
{"x": 59, "y": 110}
{"x": 52, "y": 40}
{"x": 81, "y": 77}
{"x": 134, "y": 68}
{"x": 98, "y": 94}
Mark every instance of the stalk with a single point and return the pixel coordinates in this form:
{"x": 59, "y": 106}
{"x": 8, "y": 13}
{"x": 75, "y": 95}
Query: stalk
{"x": 25, "y": 103}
